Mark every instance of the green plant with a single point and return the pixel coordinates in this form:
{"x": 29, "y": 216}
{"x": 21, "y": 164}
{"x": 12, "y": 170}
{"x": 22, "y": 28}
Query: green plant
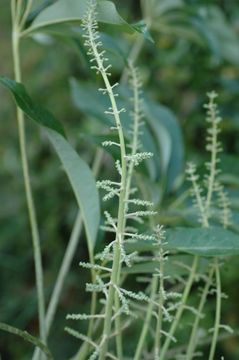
{"x": 157, "y": 301}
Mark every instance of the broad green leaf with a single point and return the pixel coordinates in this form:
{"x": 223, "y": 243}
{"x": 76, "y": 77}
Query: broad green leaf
{"x": 63, "y": 11}
{"x": 27, "y": 337}
{"x": 214, "y": 241}
{"x": 78, "y": 172}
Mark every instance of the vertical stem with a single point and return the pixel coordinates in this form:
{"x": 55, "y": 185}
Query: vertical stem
{"x": 121, "y": 209}
{"x": 143, "y": 334}
{"x": 180, "y": 309}
{"x": 70, "y": 251}
{"x": 192, "y": 341}
{"x": 27, "y": 184}
{"x": 160, "y": 307}
{"x": 218, "y": 311}
{"x": 119, "y": 345}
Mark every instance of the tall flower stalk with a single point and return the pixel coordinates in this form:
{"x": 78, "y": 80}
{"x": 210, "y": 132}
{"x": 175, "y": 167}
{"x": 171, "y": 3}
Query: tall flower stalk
{"x": 116, "y": 298}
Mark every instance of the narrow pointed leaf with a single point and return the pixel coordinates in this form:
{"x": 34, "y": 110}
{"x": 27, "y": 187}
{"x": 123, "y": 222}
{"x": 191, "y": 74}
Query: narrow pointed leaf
{"x": 26, "y": 336}
{"x": 78, "y": 172}
{"x": 32, "y": 110}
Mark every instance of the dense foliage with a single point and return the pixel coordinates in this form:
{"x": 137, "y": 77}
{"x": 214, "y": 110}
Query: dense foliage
{"x": 183, "y": 49}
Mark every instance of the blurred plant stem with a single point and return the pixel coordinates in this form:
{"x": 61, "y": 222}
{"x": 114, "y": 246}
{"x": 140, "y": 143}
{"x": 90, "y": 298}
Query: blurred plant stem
{"x": 16, "y": 29}
{"x": 180, "y": 310}
{"x": 218, "y": 311}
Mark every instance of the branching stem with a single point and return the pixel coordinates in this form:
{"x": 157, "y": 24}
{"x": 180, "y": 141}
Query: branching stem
{"x": 193, "y": 337}
{"x": 180, "y": 310}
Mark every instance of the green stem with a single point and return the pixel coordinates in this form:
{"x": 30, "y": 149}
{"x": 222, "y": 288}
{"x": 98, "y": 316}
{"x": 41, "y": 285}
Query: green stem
{"x": 218, "y": 311}
{"x": 145, "y": 328}
{"x": 180, "y": 309}
{"x": 193, "y": 337}
{"x": 28, "y": 189}
{"x": 26, "y": 12}
{"x": 64, "y": 269}
{"x": 118, "y": 328}
{"x": 27, "y": 337}
{"x": 121, "y": 209}
{"x": 160, "y": 307}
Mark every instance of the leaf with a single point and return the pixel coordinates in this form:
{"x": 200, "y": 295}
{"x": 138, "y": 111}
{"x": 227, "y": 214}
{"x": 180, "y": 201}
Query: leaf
{"x": 214, "y": 241}
{"x": 83, "y": 185}
{"x": 174, "y": 266}
{"x": 219, "y": 34}
{"x": 142, "y": 28}
{"x": 90, "y": 101}
{"x": 26, "y": 336}
{"x": 78, "y": 172}
{"x": 63, "y": 11}
{"x": 169, "y": 137}
{"x": 33, "y": 111}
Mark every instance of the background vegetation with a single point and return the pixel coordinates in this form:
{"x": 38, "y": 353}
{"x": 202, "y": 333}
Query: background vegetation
{"x": 195, "y": 50}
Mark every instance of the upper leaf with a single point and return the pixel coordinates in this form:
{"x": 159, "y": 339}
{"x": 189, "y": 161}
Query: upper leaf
{"x": 64, "y": 11}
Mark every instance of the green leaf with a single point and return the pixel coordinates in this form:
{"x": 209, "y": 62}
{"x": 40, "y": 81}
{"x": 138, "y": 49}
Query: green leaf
{"x": 90, "y": 101}
{"x": 83, "y": 185}
{"x": 33, "y": 111}
{"x": 142, "y": 28}
{"x": 78, "y": 172}
{"x": 63, "y": 11}
{"x": 174, "y": 266}
{"x": 169, "y": 138}
{"x": 26, "y": 336}
{"x": 214, "y": 241}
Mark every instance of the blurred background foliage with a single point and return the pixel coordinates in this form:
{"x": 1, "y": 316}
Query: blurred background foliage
{"x": 189, "y": 48}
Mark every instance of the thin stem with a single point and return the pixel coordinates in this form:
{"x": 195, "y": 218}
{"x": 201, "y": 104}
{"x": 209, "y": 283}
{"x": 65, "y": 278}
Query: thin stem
{"x": 134, "y": 53}
{"x": 28, "y": 189}
{"x": 64, "y": 269}
{"x": 213, "y": 148}
{"x": 13, "y": 10}
{"x": 160, "y": 307}
{"x": 18, "y": 11}
{"x": 121, "y": 209}
{"x": 193, "y": 337}
{"x": 118, "y": 330}
{"x": 26, "y": 13}
{"x": 147, "y": 322}
{"x": 136, "y": 123}
{"x": 218, "y": 311}
{"x": 180, "y": 309}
